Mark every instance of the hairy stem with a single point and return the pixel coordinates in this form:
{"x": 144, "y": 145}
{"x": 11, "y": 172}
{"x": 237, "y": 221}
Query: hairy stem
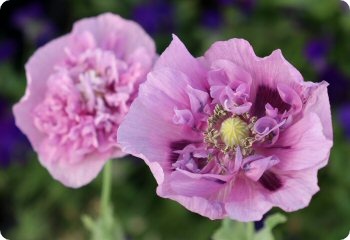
{"x": 106, "y": 187}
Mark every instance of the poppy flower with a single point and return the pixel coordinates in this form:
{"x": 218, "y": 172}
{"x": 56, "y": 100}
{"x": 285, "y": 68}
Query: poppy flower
{"x": 230, "y": 134}
{"x": 79, "y": 88}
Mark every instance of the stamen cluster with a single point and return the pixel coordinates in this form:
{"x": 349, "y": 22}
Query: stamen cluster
{"x": 241, "y": 132}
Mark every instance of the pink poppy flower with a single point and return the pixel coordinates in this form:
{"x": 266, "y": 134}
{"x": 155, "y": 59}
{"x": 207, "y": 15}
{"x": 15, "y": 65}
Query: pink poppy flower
{"x": 80, "y": 87}
{"x": 230, "y": 134}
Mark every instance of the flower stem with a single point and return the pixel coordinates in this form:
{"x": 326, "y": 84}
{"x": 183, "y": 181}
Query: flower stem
{"x": 249, "y": 228}
{"x": 106, "y": 226}
{"x": 106, "y": 187}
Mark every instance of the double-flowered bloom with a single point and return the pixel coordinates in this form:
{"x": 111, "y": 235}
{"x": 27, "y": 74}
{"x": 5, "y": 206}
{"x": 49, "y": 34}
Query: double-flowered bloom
{"x": 79, "y": 88}
{"x": 230, "y": 134}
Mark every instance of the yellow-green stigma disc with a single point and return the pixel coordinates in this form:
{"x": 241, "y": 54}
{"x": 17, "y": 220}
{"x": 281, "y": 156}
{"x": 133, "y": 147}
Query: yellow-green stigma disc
{"x": 233, "y": 130}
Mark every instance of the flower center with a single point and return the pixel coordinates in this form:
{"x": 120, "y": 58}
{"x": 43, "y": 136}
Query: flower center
{"x": 234, "y": 131}
{"x": 225, "y": 131}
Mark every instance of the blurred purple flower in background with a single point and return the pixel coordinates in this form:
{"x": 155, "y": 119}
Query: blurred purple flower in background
{"x": 226, "y": 2}
{"x": 155, "y": 16}
{"x": 33, "y": 23}
{"x": 13, "y": 144}
{"x": 245, "y": 6}
{"x": 7, "y": 49}
{"x": 316, "y": 52}
{"x": 344, "y": 118}
{"x": 212, "y": 18}
{"x": 339, "y": 84}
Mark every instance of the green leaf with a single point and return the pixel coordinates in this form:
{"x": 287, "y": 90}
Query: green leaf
{"x": 106, "y": 227}
{"x": 270, "y": 223}
{"x": 233, "y": 230}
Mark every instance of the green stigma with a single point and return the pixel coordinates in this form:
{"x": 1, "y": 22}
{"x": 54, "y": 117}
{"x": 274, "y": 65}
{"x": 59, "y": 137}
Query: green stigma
{"x": 233, "y": 131}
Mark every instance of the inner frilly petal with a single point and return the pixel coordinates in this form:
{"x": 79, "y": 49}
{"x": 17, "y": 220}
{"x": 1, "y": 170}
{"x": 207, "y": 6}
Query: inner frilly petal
{"x": 183, "y": 117}
{"x": 255, "y": 166}
{"x": 228, "y": 83}
{"x": 230, "y": 74}
{"x": 82, "y": 96}
{"x": 267, "y": 129}
{"x": 290, "y": 96}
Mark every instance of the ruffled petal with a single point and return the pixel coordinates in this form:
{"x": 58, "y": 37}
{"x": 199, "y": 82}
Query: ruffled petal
{"x": 245, "y": 202}
{"x": 302, "y": 145}
{"x": 201, "y": 185}
{"x": 197, "y": 192}
{"x": 210, "y": 209}
{"x": 38, "y": 69}
{"x": 144, "y": 134}
{"x": 289, "y": 95}
{"x": 72, "y": 144}
{"x": 238, "y": 51}
{"x": 115, "y": 33}
{"x": 183, "y": 117}
{"x": 177, "y": 57}
{"x": 164, "y": 90}
{"x": 297, "y": 189}
{"x": 78, "y": 173}
{"x": 148, "y": 130}
{"x": 267, "y": 71}
{"x": 227, "y": 73}
{"x": 318, "y": 102}
{"x": 255, "y": 166}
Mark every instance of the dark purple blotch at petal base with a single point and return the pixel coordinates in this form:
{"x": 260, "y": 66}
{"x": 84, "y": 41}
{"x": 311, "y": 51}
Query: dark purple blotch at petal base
{"x": 266, "y": 95}
{"x": 270, "y": 181}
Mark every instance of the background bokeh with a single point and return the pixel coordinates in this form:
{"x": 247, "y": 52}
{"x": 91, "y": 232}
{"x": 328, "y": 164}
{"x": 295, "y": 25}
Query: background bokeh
{"x": 314, "y": 35}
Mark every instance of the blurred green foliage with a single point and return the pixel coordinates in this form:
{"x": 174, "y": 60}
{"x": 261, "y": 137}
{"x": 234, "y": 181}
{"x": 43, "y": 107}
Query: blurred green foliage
{"x": 233, "y": 230}
{"x": 34, "y": 206}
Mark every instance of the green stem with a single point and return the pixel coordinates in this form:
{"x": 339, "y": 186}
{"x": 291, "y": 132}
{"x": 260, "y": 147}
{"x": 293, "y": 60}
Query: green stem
{"x": 106, "y": 187}
{"x": 249, "y": 227}
{"x": 107, "y": 226}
